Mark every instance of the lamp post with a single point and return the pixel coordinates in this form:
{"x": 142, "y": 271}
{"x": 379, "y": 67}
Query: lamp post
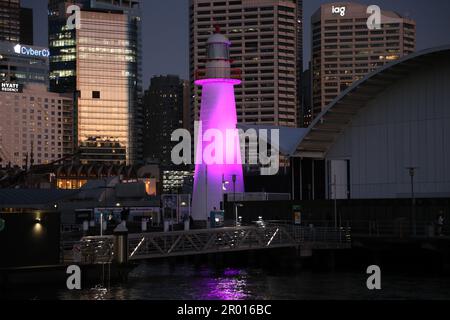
{"x": 237, "y": 205}
{"x": 412, "y": 173}
{"x": 335, "y": 202}
{"x": 101, "y": 224}
{"x": 234, "y": 187}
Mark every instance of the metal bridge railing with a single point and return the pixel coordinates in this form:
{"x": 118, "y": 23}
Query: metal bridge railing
{"x": 155, "y": 245}
{"x": 400, "y": 228}
{"x": 100, "y": 249}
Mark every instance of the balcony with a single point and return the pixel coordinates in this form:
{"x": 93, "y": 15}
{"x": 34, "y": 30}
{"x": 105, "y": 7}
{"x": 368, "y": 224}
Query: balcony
{"x": 218, "y": 73}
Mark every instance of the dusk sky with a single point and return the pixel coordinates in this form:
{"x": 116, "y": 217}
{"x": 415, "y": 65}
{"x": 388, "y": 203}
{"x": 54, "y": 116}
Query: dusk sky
{"x": 166, "y": 31}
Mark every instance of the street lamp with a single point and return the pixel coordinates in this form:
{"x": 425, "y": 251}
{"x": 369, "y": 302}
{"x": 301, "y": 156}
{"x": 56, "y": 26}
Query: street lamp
{"x": 412, "y": 173}
{"x": 237, "y": 205}
{"x": 335, "y": 203}
{"x": 234, "y": 187}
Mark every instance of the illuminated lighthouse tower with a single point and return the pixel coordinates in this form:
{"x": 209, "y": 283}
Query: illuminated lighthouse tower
{"x": 218, "y": 167}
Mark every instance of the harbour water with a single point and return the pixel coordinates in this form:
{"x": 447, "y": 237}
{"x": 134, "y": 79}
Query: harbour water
{"x": 187, "y": 281}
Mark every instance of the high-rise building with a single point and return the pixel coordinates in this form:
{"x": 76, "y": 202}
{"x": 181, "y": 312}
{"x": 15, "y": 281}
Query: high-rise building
{"x": 101, "y": 63}
{"x": 345, "y": 50}
{"x": 163, "y": 114}
{"x": 10, "y": 20}
{"x": 16, "y": 23}
{"x": 264, "y": 36}
{"x": 34, "y": 125}
{"x": 300, "y": 23}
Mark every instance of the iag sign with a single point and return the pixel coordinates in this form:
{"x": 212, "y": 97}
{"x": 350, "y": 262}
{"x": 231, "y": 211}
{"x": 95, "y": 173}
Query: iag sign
{"x": 28, "y": 51}
{"x": 339, "y": 10}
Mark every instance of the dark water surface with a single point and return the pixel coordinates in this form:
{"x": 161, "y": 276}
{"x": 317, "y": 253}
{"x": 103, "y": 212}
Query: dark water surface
{"x": 186, "y": 281}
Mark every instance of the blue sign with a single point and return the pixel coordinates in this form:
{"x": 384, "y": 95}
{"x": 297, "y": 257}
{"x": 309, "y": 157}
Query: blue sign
{"x": 28, "y": 51}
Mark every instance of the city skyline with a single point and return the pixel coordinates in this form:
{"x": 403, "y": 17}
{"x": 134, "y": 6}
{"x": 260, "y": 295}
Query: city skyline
{"x": 210, "y": 189}
{"x": 172, "y": 57}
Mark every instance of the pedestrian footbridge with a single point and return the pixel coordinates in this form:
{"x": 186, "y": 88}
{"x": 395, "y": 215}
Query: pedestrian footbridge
{"x": 144, "y": 246}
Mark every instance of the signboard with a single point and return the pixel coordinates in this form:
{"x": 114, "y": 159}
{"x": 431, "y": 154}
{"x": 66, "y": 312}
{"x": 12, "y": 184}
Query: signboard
{"x": 297, "y": 214}
{"x": 11, "y": 87}
{"x": 29, "y": 51}
{"x": 339, "y": 10}
{"x": 2, "y": 225}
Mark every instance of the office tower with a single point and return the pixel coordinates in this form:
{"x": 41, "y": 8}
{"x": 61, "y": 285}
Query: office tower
{"x": 10, "y": 20}
{"x": 26, "y": 26}
{"x": 344, "y": 50}
{"x": 23, "y": 64}
{"x": 264, "y": 37}
{"x": 100, "y": 64}
{"x": 33, "y": 125}
{"x": 24, "y": 73}
{"x": 163, "y": 114}
{"x": 16, "y": 23}
{"x": 299, "y": 62}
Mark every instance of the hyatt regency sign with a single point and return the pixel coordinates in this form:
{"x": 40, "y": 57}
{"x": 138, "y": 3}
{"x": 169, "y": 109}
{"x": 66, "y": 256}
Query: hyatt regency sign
{"x": 11, "y": 87}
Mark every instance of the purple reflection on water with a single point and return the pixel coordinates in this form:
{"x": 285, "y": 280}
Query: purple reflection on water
{"x": 226, "y": 289}
{"x": 232, "y": 286}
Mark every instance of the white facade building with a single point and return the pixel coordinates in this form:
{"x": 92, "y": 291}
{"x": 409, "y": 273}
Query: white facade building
{"x": 394, "y": 119}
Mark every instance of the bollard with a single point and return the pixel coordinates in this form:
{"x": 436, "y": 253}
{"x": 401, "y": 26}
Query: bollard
{"x": 121, "y": 243}
{"x": 121, "y": 247}
{"x": 166, "y": 225}
{"x": 144, "y": 225}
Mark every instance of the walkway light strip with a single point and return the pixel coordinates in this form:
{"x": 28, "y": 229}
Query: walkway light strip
{"x": 273, "y": 237}
{"x": 138, "y": 246}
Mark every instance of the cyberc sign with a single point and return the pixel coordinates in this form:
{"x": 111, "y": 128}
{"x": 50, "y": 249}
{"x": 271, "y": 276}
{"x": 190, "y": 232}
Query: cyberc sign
{"x": 28, "y": 51}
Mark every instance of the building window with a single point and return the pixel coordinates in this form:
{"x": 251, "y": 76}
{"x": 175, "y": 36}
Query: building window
{"x": 95, "y": 94}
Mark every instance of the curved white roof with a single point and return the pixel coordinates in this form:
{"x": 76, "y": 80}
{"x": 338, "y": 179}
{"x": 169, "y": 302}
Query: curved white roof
{"x": 330, "y": 124}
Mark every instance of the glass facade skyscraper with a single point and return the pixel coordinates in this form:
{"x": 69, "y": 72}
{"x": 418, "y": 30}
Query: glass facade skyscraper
{"x": 100, "y": 63}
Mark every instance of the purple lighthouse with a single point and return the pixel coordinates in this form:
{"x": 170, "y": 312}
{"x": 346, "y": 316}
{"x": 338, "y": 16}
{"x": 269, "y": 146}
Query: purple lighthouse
{"x": 218, "y": 167}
